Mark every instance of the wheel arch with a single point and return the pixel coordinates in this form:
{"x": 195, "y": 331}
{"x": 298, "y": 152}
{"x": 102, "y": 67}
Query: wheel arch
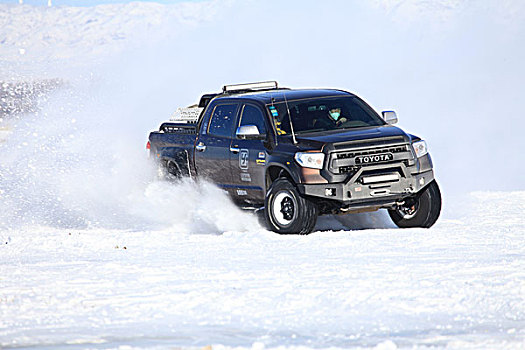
{"x": 274, "y": 171}
{"x": 180, "y": 160}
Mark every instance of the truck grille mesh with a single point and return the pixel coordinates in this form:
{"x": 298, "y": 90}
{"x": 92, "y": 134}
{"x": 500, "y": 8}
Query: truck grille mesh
{"x": 367, "y": 152}
{"x": 350, "y": 170}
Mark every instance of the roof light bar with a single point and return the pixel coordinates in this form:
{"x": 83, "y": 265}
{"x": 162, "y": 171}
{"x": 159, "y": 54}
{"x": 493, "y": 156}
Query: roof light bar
{"x": 263, "y": 85}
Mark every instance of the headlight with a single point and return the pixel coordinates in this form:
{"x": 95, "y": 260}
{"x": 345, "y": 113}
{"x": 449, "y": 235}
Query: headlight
{"x": 313, "y": 160}
{"x": 420, "y": 148}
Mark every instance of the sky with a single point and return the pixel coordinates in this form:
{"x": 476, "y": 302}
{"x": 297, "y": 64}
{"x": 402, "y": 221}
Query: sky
{"x": 87, "y": 2}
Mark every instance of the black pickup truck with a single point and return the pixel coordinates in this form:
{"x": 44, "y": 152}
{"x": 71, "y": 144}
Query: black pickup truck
{"x": 300, "y": 153}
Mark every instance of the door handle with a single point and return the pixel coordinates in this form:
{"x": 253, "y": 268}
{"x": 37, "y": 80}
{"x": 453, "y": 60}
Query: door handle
{"x": 201, "y": 147}
{"x": 234, "y": 150}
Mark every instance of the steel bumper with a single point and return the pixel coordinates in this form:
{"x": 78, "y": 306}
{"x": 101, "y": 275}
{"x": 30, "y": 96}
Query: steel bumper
{"x": 371, "y": 188}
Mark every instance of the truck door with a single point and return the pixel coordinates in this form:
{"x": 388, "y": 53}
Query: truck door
{"x": 248, "y": 157}
{"x": 212, "y": 150}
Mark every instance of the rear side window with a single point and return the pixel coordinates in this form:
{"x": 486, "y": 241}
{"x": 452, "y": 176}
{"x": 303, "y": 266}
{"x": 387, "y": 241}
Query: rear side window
{"x": 222, "y": 120}
{"x": 252, "y": 115}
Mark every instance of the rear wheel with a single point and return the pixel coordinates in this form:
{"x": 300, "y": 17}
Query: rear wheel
{"x": 169, "y": 170}
{"x": 286, "y": 211}
{"x": 420, "y": 211}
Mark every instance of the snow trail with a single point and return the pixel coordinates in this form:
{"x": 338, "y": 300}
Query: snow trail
{"x": 80, "y": 162}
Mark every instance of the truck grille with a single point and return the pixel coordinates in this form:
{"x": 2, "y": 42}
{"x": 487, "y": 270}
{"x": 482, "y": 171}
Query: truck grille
{"x": 348, "y": 162}
{"x": 367, "y": 152}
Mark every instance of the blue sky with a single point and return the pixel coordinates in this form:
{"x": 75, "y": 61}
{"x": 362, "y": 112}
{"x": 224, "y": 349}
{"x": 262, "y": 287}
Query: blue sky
{"x": 86, "y": 2}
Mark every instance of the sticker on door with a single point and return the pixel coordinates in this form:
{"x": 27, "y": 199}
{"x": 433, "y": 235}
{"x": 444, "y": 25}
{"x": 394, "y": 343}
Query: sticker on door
{"x": 243, "y": 158}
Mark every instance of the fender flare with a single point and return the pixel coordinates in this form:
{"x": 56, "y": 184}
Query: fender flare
{"x": 276, "y": 170}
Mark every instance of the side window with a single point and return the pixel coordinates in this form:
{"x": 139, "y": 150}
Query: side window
{"x": 205, "y": 121}
{"x": 222, "y": 120}
{"x": 252, "y": 115}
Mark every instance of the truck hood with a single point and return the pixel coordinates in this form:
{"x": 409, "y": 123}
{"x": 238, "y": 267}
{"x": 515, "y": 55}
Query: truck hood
{"x": 338, "y": 136}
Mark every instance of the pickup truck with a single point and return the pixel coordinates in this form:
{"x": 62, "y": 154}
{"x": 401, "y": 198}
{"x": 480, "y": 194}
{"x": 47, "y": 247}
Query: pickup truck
{"x": 299, "y": 153}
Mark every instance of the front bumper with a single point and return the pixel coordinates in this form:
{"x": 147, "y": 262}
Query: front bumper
{"x": 383, "y": 188}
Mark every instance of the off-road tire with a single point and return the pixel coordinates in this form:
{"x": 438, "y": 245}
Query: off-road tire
{"x": 169, "y": 171}
{"x": 421, "y": 211}
{"x": 286, "y": 211}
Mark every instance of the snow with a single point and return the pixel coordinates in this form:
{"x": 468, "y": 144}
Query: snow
{"x": 36, "y": 34}
{"x": 95, "y": 254}
{"x": 457, "y": 285}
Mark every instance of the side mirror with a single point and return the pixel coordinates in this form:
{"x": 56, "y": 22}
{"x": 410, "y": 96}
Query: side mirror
{"x": 390, "y": 117}
{"x": 249, "y": 132}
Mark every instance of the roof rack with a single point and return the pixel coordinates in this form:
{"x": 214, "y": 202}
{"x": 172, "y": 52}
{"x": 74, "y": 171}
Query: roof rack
{"x": 263, "y": 85}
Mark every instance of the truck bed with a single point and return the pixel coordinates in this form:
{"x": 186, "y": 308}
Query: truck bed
{"x": 175, "y": 141}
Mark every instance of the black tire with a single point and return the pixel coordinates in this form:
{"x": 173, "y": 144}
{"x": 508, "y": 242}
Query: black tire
{"x": 286, "y": 211}
{"x": 169, "y": 171}
{"x": 421, "y": 211}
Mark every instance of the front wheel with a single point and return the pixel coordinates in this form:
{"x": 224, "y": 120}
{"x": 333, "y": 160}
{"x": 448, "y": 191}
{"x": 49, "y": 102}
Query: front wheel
{"x": 286, "y": 211}
{"x": 421, "y": 211}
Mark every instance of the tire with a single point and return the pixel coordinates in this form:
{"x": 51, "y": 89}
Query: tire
{"x": 421, "y": 211}
{"x": 169, "y": 171}
{"x": 286, "y": 211}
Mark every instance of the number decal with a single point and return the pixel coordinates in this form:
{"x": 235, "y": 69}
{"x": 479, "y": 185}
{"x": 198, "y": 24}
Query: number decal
{"x": 243, "y": 158}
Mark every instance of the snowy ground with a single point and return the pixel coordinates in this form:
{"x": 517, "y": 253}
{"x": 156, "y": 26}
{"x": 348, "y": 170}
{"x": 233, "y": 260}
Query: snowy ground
{"x": 458, "y": 285}
{"x": 94, "y": 255}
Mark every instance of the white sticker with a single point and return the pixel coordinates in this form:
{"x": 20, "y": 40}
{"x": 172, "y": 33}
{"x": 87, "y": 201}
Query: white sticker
{"x": 243, "y": 158}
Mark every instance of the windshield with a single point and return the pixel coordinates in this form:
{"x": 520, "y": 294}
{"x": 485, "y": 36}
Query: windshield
{"x": 323, "y": 114}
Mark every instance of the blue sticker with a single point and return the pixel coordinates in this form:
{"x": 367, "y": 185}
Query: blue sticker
{"x": 274, "y": 112}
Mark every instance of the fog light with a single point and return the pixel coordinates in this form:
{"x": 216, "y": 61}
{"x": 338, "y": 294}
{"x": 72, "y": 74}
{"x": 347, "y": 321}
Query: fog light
{"x": 330, "y": 192}
{"x": 422, "y": 181}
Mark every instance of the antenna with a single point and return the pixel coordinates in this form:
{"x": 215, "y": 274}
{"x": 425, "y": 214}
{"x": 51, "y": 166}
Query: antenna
{"x": 290, "y": 118}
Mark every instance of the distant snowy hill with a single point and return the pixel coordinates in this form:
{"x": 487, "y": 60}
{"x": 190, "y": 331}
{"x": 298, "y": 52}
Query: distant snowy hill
{"x": 31, "y": 33}
{"x": 36, "y": 33}
{"x": 39, "y": 44}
